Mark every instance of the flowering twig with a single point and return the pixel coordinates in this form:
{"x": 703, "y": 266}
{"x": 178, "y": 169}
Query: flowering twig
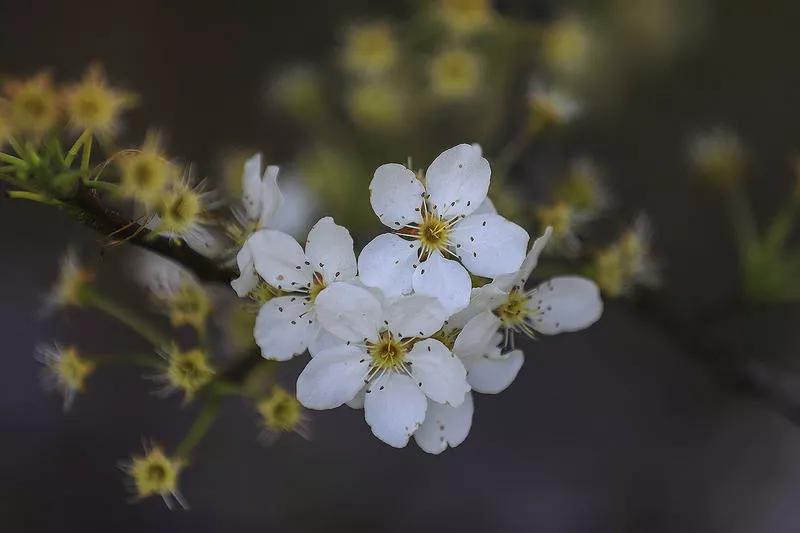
{"x": 87, "y": 208}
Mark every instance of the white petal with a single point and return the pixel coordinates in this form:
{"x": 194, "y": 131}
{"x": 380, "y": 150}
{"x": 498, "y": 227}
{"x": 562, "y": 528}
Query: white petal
{"x": 358, "y": 400}
{"x": 323, "y": 341}
{"x": 568, "y": 303}
{"x": 329, "y": 248}
{"x": 332, "y": 378}
{"x": 519, "y": 278}
{"x": 280, "y": 260}
{"x": 205, "y": 242}
{"x": 486, "y": 208}
{"x": 475, "y": 339}
{"x": 439, "y": 373}
{"x": 350, "y": 312}
{"x": 490, "y": 245}
{"x": 271, "y": 196}
{"x": 394, "y": 408}
{"x": 415, "y": 315}
{"x": 458, "y": 180}
{"x": 493, "y": 373}
{"x": 445, "y": 426}
{"x": 485, "y": 298}
{"x": 445, "y": 280}
{"x": 396, "y": 195}
{"x": 251, "y": 187}
{"x": 285, "y": 326}
{"x": 248, "y": 279}
{"x": 387, "y": 263}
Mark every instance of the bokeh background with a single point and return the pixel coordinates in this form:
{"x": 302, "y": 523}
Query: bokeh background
{"x": 641, "y": 423}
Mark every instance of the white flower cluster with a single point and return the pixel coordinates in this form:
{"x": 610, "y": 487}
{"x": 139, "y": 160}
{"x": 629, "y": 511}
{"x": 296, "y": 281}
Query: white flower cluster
{"x": 400, "y": 331}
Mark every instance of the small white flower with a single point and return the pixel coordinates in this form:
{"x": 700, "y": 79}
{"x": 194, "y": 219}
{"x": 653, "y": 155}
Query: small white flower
{"x": 561, "y": 304}
{"x": 287, "y": 325}
{"x": 386, "y": 350}
{"x": 261, "y": 199}
{"x": 439, "y": 238}
{"x": 261, "y": 196}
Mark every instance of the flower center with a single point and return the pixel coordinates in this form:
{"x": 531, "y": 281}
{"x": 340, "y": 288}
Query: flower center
{"x": 434, "y": 233}
{"x": 317, "y": 285}
{"x": 515, "y": 309}
{"x": 387, "y": 352}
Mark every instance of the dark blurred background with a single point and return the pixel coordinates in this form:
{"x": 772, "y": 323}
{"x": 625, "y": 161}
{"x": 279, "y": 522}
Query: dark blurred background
{"x": 623, "y": 427}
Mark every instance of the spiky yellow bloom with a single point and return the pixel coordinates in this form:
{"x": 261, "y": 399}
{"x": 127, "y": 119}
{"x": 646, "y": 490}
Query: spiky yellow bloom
{"x": 33, "y": 105}
{"x": 145, "y": 173}
{"x": 187, "y": 371}
{"x": 370, "y": 49}
{"x": 66, "y": 371}
{"x": 566, "y": 46}
{"x": 465, "y": 16}
{"x": 189, "y": 305}
{"x": 181, "y": 214}
{"x": 582, "y": 188}
{"x": 627, "y": 262}
{"x": 155, "y": 474}
{"x": 72, "y": 279}
{"x": 717, "y": 156}
{"x": 455, "y": 73}
{"x": 280, "y": 411}
{"x": 93, "y": 105}
{"x": 377, "y": 105}
{"x": 609, "y": 273}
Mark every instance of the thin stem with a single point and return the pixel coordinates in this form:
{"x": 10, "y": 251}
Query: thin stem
{"x": 104, "y": 185}
{"x": 73, "y": 152}
{"x": 199, "y": 428}
{"x": 124, "y": 315}
{"x": 87, "y": 154}
{"x": 33, "y": 197}
{"x": 16, "y": 146}
{"x": 16, "y": 161}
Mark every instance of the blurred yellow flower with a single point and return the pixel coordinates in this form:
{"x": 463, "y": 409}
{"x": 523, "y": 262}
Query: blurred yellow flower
{"x": 566, "y": 46}
{"x": 717, "y": 156}
{"x": 281, "y": 413}
{"x": 377, "y": 105}
{"x": 33, "y": 105}
{"x": 93, "y": 105}
{"x": 145, "y": 173}
{"x": 155, "y": 474}
{"x": 72, "y": 279}
{"x": 454, "y": 73}
{"x": 66, "y": 370}
{"x": 297, "y": 91}
{"x": 370, "y": 49}
{"x": 550, "y": 108}
{"x": 582, "y": 188}
{"x": 465, "y": 16}
{"x": 187, "y": 371}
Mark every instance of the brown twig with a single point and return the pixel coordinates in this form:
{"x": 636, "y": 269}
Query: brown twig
{"x": 86, "y": 207}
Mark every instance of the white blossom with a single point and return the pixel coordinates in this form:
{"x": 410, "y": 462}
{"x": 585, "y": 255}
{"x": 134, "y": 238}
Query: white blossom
{"x": 261, "y": 200}
{"x": 438, "y": 237}
{"x": 386, "y": 351}
{"x": 287, "y": 325}
{"x": 561, "y": 304}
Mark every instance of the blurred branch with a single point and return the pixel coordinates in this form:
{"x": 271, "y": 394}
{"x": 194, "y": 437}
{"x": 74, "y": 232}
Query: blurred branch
{"x": 86, "y": 207}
